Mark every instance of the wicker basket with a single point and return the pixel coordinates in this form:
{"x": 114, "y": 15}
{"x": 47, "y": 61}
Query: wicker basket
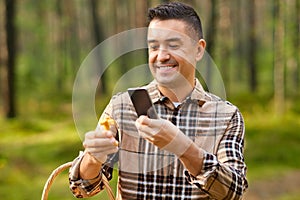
{"x": 63, "y": 167}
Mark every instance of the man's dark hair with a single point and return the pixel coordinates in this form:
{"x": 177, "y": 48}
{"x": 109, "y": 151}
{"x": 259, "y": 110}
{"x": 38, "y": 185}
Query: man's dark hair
{"x": 179, "y": 11}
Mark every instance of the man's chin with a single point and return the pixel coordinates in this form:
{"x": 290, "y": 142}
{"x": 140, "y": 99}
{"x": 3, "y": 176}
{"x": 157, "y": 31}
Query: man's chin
{"x": 168, "y": 83}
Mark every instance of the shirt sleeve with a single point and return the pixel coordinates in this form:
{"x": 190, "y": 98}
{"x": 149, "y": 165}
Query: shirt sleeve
{"x": 223, "y": 176}
{"x": 83, "y": 188}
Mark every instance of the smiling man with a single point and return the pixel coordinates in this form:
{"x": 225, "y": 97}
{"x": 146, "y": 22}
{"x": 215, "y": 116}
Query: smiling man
{"x": 173, "y": 53}
{"x": 193, "y": 151}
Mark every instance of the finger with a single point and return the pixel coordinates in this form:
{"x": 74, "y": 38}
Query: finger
{"x": 108, "y": 134}
{"x": 98, "y": 142}
{"x": 141, "y": 127}
{"x": 146, "y": 131}
{"x": 152, "y": 128}
{"x": 90, "y": 135}
{"x": 143, "y": 119}
{"x": 105, "y": 134}
{"x": 99, "y": 134}
{"x": 153, "y": 123}
{"x": 95, "y": 134}
{"x": 146, "y": 136}
{"x": 101, "y": 150}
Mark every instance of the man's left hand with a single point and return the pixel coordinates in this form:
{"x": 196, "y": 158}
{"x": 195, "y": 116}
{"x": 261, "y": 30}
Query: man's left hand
{"x": 163, "y": 134}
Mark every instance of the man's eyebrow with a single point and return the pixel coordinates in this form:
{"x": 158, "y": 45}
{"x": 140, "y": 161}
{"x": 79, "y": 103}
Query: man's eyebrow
{"x": 151, "y": 41}
{"x": 173, "y": 39}
{"x": 168, "y": 40}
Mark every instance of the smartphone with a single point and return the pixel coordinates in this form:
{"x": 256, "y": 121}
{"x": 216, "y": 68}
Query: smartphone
{"x": 142, "y": 102}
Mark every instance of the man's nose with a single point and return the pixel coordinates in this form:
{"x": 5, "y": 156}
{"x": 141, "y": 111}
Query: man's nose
{"x": 163, "y": 54}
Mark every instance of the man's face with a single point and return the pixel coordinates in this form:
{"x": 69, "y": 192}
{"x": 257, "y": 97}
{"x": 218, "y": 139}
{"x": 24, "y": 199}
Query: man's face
{"x": 173, "y": 53}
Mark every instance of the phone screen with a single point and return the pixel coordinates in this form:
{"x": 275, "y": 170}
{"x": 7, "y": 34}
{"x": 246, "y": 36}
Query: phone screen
{"x": 142, "y": 103}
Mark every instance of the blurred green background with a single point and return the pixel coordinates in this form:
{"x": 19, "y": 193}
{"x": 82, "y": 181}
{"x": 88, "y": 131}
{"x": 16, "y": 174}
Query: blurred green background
{"x": 255, "y": 45}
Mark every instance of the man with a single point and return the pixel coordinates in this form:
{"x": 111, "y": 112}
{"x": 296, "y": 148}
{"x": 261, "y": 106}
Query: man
{"x": 193, "y": 151}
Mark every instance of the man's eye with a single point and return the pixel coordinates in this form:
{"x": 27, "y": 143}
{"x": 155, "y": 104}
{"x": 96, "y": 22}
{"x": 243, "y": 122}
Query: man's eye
{"x": 174, "y": 46}
{"x": 153, "y": 47}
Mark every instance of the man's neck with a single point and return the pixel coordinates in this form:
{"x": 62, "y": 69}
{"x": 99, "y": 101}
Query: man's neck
{"x": 177, "y": 94}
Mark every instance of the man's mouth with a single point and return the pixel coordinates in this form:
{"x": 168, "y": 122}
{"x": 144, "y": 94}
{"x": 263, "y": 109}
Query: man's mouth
{"x": 166, "y": 67}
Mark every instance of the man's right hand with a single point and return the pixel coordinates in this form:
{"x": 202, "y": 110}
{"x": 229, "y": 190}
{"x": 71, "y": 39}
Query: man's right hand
{"x": 100, "y": 143}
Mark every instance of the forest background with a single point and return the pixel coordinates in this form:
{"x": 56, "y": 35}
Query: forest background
{"x": 255, "y": 45}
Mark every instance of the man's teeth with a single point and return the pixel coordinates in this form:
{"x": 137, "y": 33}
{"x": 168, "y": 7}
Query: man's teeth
{"x": 166, "y": 67}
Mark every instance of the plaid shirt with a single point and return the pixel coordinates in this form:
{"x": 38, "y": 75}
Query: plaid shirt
{"x": 146, "y": 172}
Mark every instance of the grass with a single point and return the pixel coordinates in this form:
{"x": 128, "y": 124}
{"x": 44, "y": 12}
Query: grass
{"x": 29, "y": 155}
{"x": 30, "y": 148}
{"x": 293, "y": 196}
{"x": 272, "y": 141}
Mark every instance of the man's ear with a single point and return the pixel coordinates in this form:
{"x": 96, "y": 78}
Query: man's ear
{"x": 201, "y": 49}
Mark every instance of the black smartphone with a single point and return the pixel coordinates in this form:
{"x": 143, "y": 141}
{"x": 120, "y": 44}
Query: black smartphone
{"x": 142, "y": 102}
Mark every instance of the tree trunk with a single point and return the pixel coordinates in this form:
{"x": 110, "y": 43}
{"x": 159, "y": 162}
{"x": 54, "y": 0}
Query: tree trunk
{"x": 67, "y": 42}
{"x": 297, "y": 47}
{"x": 10, "y": 105}
{"x": 279, "y": 48}
{"x": 252, "y": 46}
{"x": 225, "y": 28}
{"x": 141, "y": 13}
{"x": 3, "y": 56}
{"x": 141, "y": 20}
{"x": 238, "y": 48}
{"x": 210, "y": 40}
{"x": 99, "y": 37}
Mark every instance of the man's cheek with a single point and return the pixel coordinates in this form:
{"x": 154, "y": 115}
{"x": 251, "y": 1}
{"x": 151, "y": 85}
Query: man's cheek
{"x": 151, "y": 57}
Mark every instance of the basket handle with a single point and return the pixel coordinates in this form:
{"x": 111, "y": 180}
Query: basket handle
{"x": 63, "y": 167}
